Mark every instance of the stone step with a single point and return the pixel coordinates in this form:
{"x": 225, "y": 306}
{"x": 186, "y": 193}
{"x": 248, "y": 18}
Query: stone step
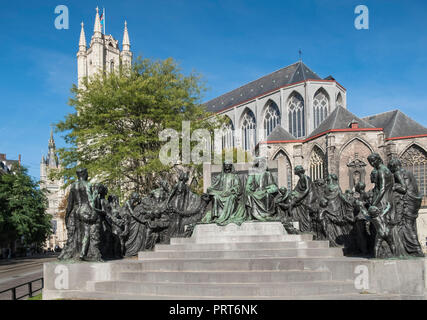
{"x": 236, "y": 254}
{"x": 243, "y": 238}
{"x": 225, "y": 276}
{"x": 231, "y": 290}
{"x": 340, "y": 267}
{"x": 106, "y": 295}
{"x": 247, "y": 228}
{"x": 242, "y": 246}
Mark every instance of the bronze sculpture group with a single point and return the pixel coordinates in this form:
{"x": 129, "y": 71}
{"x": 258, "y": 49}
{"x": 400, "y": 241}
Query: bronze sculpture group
{"x": 378, "y": 223}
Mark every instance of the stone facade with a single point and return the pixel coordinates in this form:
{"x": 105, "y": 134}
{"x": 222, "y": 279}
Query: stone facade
{"x": 323, "y": 136}
{"x": 55, "y": 195}
{"x": 103, "y": 53}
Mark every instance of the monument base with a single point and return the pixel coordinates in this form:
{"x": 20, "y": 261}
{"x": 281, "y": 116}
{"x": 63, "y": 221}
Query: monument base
{"x": 256, "y": 260}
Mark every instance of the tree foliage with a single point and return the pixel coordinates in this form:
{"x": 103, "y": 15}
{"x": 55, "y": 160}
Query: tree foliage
{"x": 114, "y": 129}
{"x": 23, "y": 209}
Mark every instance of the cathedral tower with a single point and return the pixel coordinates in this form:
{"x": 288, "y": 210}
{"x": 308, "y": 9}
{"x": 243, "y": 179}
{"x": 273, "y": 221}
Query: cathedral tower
{"x": 103, "y": 53}
{"x": 55, "y": 194}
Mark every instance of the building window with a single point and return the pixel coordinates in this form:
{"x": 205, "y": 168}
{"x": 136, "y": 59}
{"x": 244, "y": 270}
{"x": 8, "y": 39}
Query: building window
{"x": 296, "y": 115}
{"x": 112, "y": 66}
{"x": 414, "y": 159}
{"x": 317, "y": 164}
{"x": 271, "y": 119}
{"x": 339, "y": 100}
{"x": 249, "y": 130}
{"x": 320, "y": 107}
{"x": 288, "y": 171}
{"x": 228, "y": 135}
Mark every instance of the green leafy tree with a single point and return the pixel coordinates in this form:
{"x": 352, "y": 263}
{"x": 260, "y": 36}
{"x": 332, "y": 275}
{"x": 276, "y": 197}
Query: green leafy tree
{"x": 23, "y": 209}
{"x": 114, "y": 129}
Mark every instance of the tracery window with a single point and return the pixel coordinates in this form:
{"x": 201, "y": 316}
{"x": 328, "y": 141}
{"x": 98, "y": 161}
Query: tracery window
{"x": 317, "y": 164}
{"x": 228, "y": 135}
{"x": 320, "y": 107}
{"x": 271, "y": 118}
{"x": 296, "y": 115}
{"x": 288, "y": 168}
{"x": 414, "y": 159}
{"x": 248, "y": 130}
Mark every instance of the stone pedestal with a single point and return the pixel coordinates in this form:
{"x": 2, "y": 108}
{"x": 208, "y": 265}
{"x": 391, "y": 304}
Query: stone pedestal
{"x": 256, "y": 260}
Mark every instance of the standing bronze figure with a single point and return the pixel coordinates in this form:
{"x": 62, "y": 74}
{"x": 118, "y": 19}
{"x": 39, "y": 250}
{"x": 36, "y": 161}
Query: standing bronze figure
{"x": 82, "y": 222}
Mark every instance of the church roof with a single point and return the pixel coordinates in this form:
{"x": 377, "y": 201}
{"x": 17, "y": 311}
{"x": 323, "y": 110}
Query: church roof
{"x": 396, "y": 124}
{"x": 291, "y": 74}
{"x": 279, "y": 134}
{"x": 340, "y": 118}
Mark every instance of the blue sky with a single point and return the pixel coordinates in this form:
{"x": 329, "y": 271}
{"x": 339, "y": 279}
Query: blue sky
{"x": 230, "y": 42}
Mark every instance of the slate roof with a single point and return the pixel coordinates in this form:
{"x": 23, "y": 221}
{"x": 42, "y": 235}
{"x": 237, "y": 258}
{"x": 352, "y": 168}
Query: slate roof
{"x": 340, "y": 118}
{"x": 291, "y": 74}
{"x": 396, "y": 124}
{"x": 280, "y": 134}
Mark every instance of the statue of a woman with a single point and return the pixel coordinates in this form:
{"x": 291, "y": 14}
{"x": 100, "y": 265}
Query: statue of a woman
{"x": 303, "y": 198}
{"x": 337, "y": 213}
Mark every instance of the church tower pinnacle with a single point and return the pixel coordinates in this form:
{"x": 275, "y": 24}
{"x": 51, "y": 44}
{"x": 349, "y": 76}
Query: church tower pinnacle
{"x": 82, "y": 41}
{"x": 126, "y": 42}
{"x": 126, "y": 54}
{"x": 97, "y": 27}
{"x": 103, "y": 53}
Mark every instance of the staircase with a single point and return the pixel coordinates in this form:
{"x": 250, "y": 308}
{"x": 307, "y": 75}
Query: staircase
{"x": 257, "y": 260}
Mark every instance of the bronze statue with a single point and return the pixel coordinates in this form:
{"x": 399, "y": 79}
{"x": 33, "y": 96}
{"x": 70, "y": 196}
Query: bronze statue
{"x": 302, "y": 200}
{"x": 135, "y": 230}
{"x": 261, "y": 191}
{"x": 337, "y": 213}
{"x": 226, "y": 192}
{"x": 409, "y": 202}
{"x": 82, "y": 221}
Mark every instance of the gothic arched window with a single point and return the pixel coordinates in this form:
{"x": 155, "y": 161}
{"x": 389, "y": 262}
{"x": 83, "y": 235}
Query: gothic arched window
{"x": 112, "y": 66}
{"x": 271, "y": 118}
{"x": 317, "y": 164}
{"x": 296, "y": 115}
{"x": 228, "y": 135}
{"x": 248, "y": 130}
{"x": 279, "y": 154}
{"x": 414, "y": 159}
{"x": 339, "y": 102}
{"x": 320, "y": 107}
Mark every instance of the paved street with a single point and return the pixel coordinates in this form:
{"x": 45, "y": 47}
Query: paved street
{"x": 21, "y": 270}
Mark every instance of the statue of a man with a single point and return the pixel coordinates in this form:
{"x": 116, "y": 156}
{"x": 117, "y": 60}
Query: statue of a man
{"x": 383, "y": 197}
{"x": 384, "y": 182}
{"x": 261, "y": 191}
{"x": 226, "y": 192}
{"x": 406, "y": 186}
{"x": 82, "y": 221}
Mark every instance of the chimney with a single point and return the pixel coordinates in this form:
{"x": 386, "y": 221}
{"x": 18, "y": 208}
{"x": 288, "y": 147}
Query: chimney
{"x": 19, "y": 159}
{"x": 354, "y": 124}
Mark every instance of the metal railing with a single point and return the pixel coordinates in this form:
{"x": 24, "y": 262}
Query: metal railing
{"x": 30, "y": 289}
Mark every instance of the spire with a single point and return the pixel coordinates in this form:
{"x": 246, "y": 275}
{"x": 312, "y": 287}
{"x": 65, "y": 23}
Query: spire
{"x": 126, "y": 42}
{"x": 97, "y": 28}
{"x": 51, "y": 140}
{"x": 82, "y": 42}
{"x": 52, "y": 159}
